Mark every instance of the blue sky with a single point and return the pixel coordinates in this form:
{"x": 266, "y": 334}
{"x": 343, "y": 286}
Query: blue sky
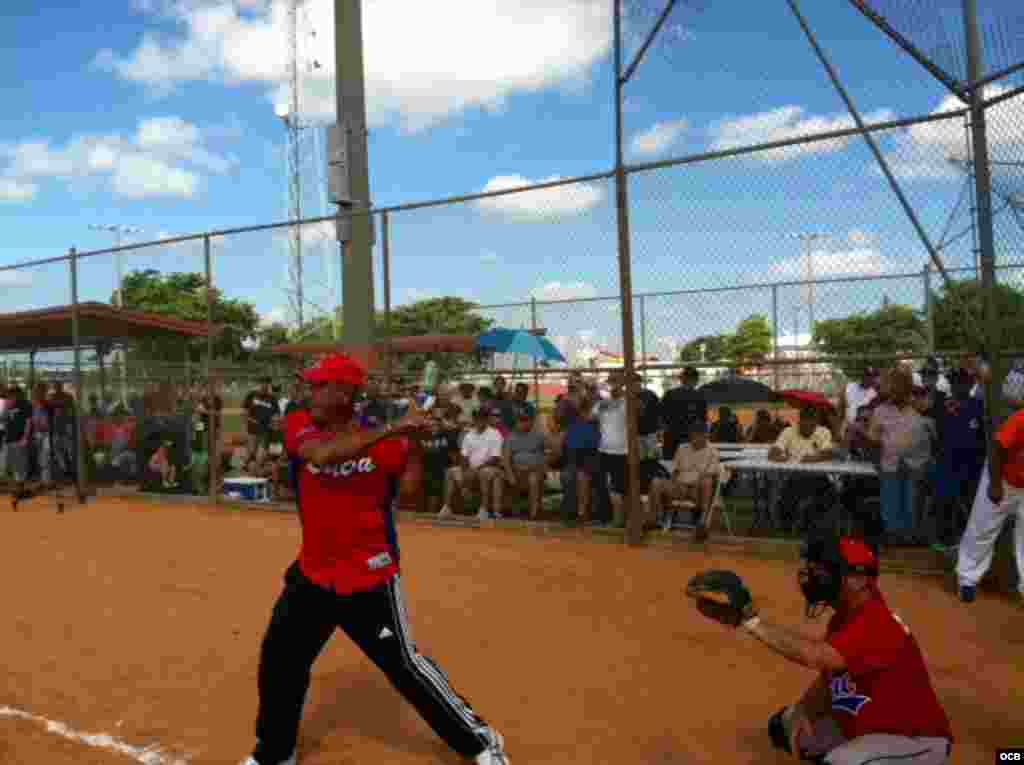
{"x": 160, "y": 115}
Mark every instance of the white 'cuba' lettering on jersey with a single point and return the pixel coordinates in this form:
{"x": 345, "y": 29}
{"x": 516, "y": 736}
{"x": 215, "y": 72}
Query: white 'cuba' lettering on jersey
{"x": 344, "y": 469}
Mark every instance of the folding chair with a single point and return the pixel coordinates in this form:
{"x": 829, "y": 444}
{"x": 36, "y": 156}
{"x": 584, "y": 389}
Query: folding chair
{"x": 717, "y": 502}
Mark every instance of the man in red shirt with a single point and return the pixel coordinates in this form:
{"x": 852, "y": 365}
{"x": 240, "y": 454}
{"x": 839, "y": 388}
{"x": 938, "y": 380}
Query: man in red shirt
{"x": 347, "y": 572}
{"x": 873, "y": 700}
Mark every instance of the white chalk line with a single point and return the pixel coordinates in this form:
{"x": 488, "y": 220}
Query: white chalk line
{"x": 150, "y": 755}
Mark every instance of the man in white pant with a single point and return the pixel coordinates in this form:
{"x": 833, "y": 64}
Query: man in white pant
{"x": 1000, "y": 496}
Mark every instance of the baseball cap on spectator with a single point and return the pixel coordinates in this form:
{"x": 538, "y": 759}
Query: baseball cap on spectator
{"x": 338, "y": 368}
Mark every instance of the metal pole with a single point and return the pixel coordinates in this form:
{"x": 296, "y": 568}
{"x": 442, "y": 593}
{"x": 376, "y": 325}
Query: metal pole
{"x": 643, "y": 336}
{"x": 80, "y": 481}
{"x": 212, "y": 432}
{"x": 929, "y": 309}
{"x": 357, "y": 265}
{"x": 983, "y": 189}
{"x": 385, "y": 237}
{"x": 536, "y": 379}
{"x": 775, "y": 334}
{"x": 634, "y": 516}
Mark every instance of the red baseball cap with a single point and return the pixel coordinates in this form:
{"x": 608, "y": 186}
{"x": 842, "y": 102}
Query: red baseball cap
{"x": 858, "y": 556}
{"x": 336, "y": 367}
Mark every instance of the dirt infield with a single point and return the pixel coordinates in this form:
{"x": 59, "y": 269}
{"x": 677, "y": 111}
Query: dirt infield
{"x": 142, "y": 622}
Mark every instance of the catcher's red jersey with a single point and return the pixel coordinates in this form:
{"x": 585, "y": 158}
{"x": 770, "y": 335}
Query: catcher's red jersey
{"x": 349, "y": 542}
{"x": 886, "y": 688}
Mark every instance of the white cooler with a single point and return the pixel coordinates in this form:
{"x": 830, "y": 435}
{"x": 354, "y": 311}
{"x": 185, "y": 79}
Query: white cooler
{"x": 247, "y": 489}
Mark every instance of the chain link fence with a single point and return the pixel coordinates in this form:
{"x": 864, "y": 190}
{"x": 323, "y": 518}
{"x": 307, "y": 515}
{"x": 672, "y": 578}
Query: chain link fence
{"x": 793, "y": 250}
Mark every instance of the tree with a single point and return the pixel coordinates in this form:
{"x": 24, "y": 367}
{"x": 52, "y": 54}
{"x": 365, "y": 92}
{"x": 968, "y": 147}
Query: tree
{"x": 716, "y": 348}
{"x": 183, "y": 296}
{"x": 435, "y": 316}
{"x": 752, "y": 341}
{"x": 958, "y": 312}
{"x": 893, "y": 328}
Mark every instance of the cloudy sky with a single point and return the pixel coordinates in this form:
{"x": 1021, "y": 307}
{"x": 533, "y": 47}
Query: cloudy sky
{"x": 159, "y": 115}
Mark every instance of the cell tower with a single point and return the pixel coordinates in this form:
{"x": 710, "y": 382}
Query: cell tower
{"x": 307, "y": 182}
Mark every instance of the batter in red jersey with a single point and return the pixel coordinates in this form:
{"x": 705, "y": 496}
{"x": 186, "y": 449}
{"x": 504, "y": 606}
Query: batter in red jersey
{"x": 347, "y": 574}
{"x": 873, "y": 700}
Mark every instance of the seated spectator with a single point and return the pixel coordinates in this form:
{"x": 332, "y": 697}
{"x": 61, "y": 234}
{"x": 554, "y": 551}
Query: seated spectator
{"x": 905, "y": 440}
{"x": 762, "y": 431}
{"x": 694, "y": 471}
{"x": 440, "y": 451}
{"x": 479, "y": 467}
{"x": 808, "y": 442}
{"x": 160, "y": 463}
{"x": 961, "y": 454}
{"x": 524, "y": 463}
{"x": 727, "y": 428}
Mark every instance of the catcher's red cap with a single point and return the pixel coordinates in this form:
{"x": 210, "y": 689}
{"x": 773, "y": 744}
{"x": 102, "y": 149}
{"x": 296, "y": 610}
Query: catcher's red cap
{"x": 336, "y": 367}
{"x": 858, "y": 556}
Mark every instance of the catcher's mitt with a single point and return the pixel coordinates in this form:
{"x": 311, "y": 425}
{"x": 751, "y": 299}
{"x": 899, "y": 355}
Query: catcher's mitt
{"x": 722, "y": 596}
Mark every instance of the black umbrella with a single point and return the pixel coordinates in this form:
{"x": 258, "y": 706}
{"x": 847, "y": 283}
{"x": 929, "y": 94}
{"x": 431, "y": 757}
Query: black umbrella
{"x": 738, "y": 390}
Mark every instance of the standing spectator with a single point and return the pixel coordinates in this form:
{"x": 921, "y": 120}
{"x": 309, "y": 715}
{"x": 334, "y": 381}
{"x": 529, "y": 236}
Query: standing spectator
{"x": 1000, "y": 496}
{"x": 18, "y": 436}
{"x": 298, "y": 399}
{"x": 440, "y": 448}
{"x": 524, "y": 465}
{"x": 611, "y": 418}
{"x": 857, "y": 489}
{"x": 521, "y": 404}
{"x": 479, "y": 467}
{"x": 905, "y": 440}
{"x": 857, "y": 394}
{"x": 929, "y": 376}
{"x": 260, "y": 411}
{"x": 583, "y": 461}
{"x": 694, "y": 471}
{"x": 727, "y": 428}
{"x": 808, "y": 442}
{"x": 5, "y": 404}
{"x": 961, "y": 454}
{"x": 373, "y": 412}
{"x": 567, "y": 411}
{"x": 40, "y": 439}
{"x": 763, "y": 431}
{"x": 503, "y": 405}
{"x": 680, "y": 408}
{"x": 467, "y": 401}
{"x": 648, "y": 420}
{"x": 62, "y": 416}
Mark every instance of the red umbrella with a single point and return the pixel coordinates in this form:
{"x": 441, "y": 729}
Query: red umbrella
{"x": 802, "y": 398}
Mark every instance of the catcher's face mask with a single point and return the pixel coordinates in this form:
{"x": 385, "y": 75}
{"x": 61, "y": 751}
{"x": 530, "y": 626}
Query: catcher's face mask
{"x": 828, "y": 561}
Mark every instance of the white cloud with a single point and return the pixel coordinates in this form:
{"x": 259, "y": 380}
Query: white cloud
{"x": 163, "y": 158}
{"x": 421, "y": 66}
{"x": 489, "y": 257}
{"x": 567, "y": 291}
{"x": 542, "y": 204}
{"x": 923, "y": 151}
{"x": 658, "y": 137}
{"x": 847, "y": 259}
{"x": 13, "y": 190}
{"x": 785, "y": 123}
{"x": 313, "y": 234}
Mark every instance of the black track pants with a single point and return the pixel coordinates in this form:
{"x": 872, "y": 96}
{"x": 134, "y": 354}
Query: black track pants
{"x": 304, "y": 618}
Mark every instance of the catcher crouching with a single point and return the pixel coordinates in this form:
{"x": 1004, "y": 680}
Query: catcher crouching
{"x": 873, "y": 700}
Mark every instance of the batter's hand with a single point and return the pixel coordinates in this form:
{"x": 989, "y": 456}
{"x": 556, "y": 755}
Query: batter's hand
{"x": 414, "y": 422}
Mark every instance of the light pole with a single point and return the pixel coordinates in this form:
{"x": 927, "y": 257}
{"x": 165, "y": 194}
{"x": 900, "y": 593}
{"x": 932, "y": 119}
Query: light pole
{"x": 810, "y": 238}
{"x": 117, "y": 229}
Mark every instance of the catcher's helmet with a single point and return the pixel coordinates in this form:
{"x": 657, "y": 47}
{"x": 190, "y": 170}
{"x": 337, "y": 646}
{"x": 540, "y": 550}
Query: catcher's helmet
{"x": 839, "y": 557}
